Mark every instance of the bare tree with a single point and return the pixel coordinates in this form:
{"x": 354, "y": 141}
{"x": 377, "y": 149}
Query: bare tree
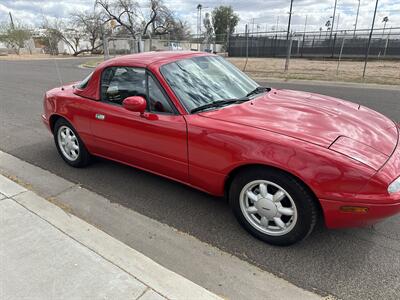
{"x": 161, "y": 19}
{"x": 129, "y": 15}
{"x": 73, "y": 37}
{"x": 179, "y": 30}
{"x": 71, "y": 33}
{"x": 126, "y": 13}
{"x": 52, "y": 35}
{"x": 90, "y": 24}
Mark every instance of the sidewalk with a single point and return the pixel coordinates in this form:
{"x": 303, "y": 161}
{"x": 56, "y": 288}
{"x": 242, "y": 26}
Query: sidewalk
{"x": 47, "y": 253}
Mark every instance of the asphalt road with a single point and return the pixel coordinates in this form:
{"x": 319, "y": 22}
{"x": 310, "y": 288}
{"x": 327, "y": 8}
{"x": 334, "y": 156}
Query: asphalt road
{"x": 350, "y": 264}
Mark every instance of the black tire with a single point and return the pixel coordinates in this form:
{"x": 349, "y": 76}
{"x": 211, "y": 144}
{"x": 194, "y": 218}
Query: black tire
{"x": 84, "y": 157}
{"x": 305, "y": 203}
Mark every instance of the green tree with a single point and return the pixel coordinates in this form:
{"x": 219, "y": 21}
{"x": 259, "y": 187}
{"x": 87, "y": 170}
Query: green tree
{"x": 385, "y": 20}
{"x": 14, "y": 36}
{"x": 223, "y": 17}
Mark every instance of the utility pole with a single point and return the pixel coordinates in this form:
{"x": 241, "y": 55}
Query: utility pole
{"x": 197, "y": 22}
{"x": 288, "y": 53}
{"x": 333, "y": 20}
{"x": 277, "y": 24}
{"x": 290, "y": 19}
{"x": 305, "y": 25}
{"x": 228, "y": 32}
{"x": 337, "y": 23}
{"x": 369, "y": 40}
{"x": 12, "y": 21}
{"x": 200, "y": 18}
{"x": 358, "y": 11}
{"x": 199, "y": 7}
{"x": 247, "y": 47}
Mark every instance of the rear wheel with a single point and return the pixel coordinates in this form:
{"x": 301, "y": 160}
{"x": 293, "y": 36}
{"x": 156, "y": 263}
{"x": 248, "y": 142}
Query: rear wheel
{"x": 273, "y": 206}
{"x": 69, "y": 144}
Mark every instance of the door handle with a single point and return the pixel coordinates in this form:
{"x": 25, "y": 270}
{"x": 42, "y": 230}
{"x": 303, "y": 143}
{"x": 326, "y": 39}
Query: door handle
{"x": 100, "y": 117}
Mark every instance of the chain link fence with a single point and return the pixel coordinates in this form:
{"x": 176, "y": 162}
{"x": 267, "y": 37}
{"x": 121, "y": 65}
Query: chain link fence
{"x": 337, "y": 55}
{"x": 351, "y": 44}
{"x": 122, "y": 45}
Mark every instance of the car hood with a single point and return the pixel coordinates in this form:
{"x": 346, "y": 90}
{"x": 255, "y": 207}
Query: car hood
{"x": 313, "y": 118}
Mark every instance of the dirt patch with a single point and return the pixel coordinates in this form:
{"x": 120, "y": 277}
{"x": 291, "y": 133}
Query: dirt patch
{"x": 381, "y": 72}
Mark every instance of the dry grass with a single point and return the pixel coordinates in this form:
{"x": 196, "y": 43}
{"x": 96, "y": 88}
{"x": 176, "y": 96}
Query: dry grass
{"x": 93, "y": 63}
{"x": 380, "y": 72}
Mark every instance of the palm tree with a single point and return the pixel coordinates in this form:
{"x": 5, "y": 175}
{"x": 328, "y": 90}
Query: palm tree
{"x": 385, "y": 20}
{"x": 328, "y": 26}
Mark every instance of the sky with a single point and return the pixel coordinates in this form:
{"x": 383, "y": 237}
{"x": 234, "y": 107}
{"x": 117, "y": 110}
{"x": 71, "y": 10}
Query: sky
{"x": 265, "y": 14}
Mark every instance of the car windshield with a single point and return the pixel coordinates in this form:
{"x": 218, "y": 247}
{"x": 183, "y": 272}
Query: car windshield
{"x": 83, "y": 84}
{"x": 202, "y": 80}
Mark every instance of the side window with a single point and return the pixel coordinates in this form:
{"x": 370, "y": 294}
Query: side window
{"x": 157, "y": 101}
{"x": 118, "y": 83}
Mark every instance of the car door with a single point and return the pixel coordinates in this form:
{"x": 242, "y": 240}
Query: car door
{"x": 156, "y": 140}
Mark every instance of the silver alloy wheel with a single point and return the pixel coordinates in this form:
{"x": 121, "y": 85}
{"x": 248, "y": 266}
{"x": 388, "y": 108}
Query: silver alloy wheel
{"x": 68, "y": 143}
{"x": 268, "y": 207}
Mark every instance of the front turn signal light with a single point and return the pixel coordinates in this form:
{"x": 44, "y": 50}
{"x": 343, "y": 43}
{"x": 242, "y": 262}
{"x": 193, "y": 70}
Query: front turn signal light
{"x": 354, "y": 209}
{"x": 394, "y": 187}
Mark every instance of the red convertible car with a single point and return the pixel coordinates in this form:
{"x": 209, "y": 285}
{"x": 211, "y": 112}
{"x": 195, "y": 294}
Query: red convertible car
{"x": 283, "y": 158}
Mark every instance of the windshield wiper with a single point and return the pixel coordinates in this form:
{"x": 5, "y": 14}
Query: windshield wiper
{"x": 218, "y": 103}
{"x": 258, "y": 90}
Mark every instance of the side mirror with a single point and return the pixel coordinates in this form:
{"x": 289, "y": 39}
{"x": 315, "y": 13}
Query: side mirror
{"x": 135, "y": 103}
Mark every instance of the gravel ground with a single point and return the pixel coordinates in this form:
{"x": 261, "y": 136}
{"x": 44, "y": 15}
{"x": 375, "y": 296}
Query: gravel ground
{"x": 382, "y": 71}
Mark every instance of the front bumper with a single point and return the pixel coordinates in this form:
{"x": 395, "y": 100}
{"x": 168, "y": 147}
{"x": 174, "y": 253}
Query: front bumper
{"x": 46, "y": 122}
{"x": 336, "y": 218}
{"x": 377, "y": 205}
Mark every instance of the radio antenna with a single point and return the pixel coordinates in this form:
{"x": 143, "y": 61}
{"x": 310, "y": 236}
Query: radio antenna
{"x": 56, "y": 64}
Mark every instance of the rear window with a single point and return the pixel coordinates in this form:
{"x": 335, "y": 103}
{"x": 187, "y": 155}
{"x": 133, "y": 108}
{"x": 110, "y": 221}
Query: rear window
{"x": 83, "y": 84}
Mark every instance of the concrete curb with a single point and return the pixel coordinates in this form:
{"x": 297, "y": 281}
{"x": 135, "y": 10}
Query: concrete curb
{"x": 160, "y": 279}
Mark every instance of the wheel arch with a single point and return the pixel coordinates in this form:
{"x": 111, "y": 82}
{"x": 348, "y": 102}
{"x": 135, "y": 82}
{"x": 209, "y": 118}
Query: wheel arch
{"x": 53, "y": 119}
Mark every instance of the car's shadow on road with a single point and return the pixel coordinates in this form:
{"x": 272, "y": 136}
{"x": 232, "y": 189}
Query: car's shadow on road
{"x": 328, "y": 259}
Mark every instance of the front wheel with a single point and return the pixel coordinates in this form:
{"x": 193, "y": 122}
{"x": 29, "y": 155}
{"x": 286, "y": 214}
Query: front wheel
{"x": 273, "y": 206}
{"x": 69, "y": 144}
